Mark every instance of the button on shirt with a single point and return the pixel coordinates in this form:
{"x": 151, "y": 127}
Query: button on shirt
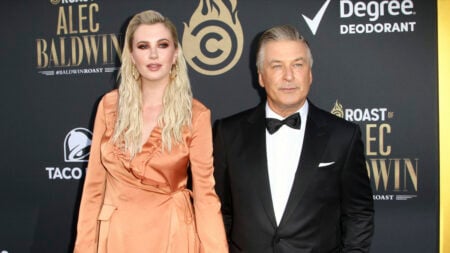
{"x": 283, "y": 154}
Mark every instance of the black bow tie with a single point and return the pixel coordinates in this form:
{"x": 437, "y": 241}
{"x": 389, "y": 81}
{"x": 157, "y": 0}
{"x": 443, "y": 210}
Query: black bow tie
{"x": 274, "y": 124}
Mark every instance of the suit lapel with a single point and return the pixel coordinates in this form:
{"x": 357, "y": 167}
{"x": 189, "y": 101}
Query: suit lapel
{"x": 315, "y": 140}
{"x": 257, "y": 141}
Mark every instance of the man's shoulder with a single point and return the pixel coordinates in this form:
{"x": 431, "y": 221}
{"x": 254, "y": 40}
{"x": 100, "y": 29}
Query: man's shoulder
{"x": 319, "y": 114}
{"x": 244, "y": 115}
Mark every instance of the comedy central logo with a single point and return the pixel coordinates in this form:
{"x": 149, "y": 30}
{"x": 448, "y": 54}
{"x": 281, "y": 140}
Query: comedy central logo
{"x": 77, "y": 145}
{"x": 213, "y": 40}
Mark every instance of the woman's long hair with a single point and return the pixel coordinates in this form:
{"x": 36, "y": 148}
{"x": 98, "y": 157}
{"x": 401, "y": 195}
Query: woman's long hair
{"x": 177, "y": 99}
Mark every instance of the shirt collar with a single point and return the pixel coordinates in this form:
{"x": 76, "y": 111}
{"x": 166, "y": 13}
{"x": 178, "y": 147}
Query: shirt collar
{"x": 302, "y": 110}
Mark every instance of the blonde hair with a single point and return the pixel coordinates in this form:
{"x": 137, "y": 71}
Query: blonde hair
{"x": 177, "y": 99}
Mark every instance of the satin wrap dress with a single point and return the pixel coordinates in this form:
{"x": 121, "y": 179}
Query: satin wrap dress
{"x": 142, "y": 205}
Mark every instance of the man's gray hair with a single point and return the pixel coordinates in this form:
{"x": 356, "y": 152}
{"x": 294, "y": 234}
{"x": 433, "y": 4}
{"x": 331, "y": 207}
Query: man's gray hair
{"x": 279, "y": 33}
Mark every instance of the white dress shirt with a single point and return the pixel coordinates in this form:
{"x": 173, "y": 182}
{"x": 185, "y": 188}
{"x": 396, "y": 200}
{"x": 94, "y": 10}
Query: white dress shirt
{"x": 283, "y": 155}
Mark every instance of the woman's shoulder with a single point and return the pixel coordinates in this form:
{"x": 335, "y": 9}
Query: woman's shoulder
{"x": 198, "y": 107}
{"x": 110, "y": 100}
{"x": 111, "y": 95}
{"x": 199, "y": 112}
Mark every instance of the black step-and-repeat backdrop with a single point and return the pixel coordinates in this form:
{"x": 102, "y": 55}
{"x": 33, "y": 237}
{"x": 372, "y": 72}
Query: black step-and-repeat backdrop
{"x": 375, "y": 64}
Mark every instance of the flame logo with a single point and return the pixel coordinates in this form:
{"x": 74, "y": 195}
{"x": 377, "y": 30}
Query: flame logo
{"x": 213, "y": 40}
{"x": 338, "y": 110}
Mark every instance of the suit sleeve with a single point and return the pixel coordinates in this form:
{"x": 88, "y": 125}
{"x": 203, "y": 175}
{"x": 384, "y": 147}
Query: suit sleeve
{"x": 206, "y": 202}
{"x": 221, "y": 176}
{"x": 93, "y": 191}
{"x": 357, "y": 213}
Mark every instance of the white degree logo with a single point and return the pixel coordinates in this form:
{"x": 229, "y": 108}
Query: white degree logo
{"x": 313, "y": 24}
{"x": 77, "y": 145}
{"x": 375, "y": 10}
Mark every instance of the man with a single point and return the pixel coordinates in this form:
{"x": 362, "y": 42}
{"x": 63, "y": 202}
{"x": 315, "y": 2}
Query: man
{"x": 299, "y": 185}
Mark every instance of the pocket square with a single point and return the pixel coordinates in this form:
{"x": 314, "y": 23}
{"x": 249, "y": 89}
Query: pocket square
{"x": 325, "y": 164}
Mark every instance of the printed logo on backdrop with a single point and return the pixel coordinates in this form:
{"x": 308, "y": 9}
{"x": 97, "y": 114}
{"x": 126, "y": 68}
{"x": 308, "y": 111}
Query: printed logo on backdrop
{"x": 213, "y": 40}
{"x": 392, "y": 178}
{"x": 313, "y": 24}
{"x": 369, "y": 17}
{"x": 79, "y": 46}
{"x": 77, "y": 144}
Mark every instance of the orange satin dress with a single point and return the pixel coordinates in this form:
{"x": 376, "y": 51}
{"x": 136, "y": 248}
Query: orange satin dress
{"x": 141, "y": 205}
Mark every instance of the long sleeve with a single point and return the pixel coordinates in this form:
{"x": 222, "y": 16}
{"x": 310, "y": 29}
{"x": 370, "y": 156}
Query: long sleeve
{"x": 206, "y": 202}
{"x": 93, "y": 190}
{"x": 356, "y": 200}
{"x": 221, "y": 176}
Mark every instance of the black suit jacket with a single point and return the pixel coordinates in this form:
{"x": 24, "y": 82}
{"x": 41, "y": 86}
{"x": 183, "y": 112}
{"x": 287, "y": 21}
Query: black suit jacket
{"x": 330, "y": 207}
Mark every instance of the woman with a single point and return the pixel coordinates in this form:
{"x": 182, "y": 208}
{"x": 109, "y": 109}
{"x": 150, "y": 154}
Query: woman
{"x": 146, "y": 134}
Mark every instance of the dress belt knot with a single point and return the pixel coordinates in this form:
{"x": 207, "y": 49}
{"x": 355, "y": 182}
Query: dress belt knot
{"x": 182, "y": 199}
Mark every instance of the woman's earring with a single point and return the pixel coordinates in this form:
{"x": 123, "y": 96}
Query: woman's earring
{"x": 173, "y": 71}
{"x": 135, "y": 73}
